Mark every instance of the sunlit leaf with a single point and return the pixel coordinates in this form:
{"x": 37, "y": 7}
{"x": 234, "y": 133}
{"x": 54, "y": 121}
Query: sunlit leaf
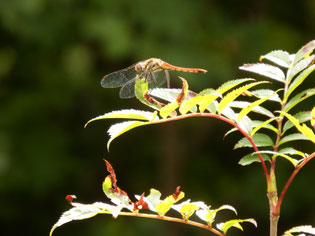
{"x": 229, "y": 113}
{"x": 293, "y": 161}
{"x": 118, "y": 129}
{"x": 302, "y": 128}
{"x": 269, "y": 71}
{"x": 262, "y": 93}
{"x": 305, "y": 51}
{"x": 187, "y": 208}
{"x": 208, "y": 215}
{"x": 246, "y": 124}
{"x": 85, "y": 211}
{"x": 163, "y": 207}
{"x": 234, "y": 94}
{"x": 278, "y": 57}
{"x": 260, "y": 140}
{"x": 301, "y": 65}
{"x": 299, "y": 98}
{"x": 251, "y": 158}
{"x": 308, "y": 229}
{"x": 292, "y": 137}
{"x": 127, "y": 114}
{"x": 250, "y": 107}
{"x": 231, "y": 84}
{"x": 266, "y": 124}
{"x": 257, "y": 109}
{"x": 291, "y": 151}
{"x": 302, "y": 117}
{"x": 313, "y": 117}
{"x": 224, "y": 227}
{"x": 169, "y": 109}
{"x": 298, "y": 81}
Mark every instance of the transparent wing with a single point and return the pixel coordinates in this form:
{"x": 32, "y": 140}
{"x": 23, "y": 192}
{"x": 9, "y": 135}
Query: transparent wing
{"x": 119, "y": 78}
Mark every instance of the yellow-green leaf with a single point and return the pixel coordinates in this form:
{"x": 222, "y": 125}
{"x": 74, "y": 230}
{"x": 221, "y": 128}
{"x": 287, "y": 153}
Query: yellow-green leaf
{"x": 169, "y": 109}
{"x": 234, "y": 223}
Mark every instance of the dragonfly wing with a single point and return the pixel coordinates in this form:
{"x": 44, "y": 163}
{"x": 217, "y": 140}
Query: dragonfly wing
{"x": 157, "y": 79}
{"x": 119, "y": 78}
{"x": 128, "y": 90}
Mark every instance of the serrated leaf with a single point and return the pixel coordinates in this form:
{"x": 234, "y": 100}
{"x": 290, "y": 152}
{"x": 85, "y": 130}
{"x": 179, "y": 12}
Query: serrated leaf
{"x": 224, "y": 227}
{"x": 262, "y": 93}
{"x": 302, "y": 117}
{"x": 231, "y": 84}
{"x": 278, "y": 57}
{"x": 299, "y": 98}
{"x": 305, "y": 51}
{"x": 83, "y": 211}
{"x": 250, "y": 107}
{"x": 234, "y": 94}
{"x": 266, "y": 124}
{"x": 126, "y": 114}
{"x": 208, "y": 215}
{"x": 246, "y": 124}
{"x": 293, "y": 161}
{"x": 302, "y": 128}
{"x": 187, "y": 208}
{"x": 164, "y": 206}
{"x": 251, "y": 158}
{"x": 266, "y": 70}
{"x": 168, "y": 109}
{"x": 292, "y": 137}
{"x": 260, "y": 140}
{"x": 298, "y": 81}
{"x": 308, "y": 229}
{"x": 301, "y": 65}
{"x": 257, "y": 109}
{"x": 229, "y": 113}
{"x": 118, "y": 129}
{"x": 291, "y": 151}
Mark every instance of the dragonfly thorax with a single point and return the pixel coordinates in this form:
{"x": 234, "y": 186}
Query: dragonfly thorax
{"x": 149, "y": 65}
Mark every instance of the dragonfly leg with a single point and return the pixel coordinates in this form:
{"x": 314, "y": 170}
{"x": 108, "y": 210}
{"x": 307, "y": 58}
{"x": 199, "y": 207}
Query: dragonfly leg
{"x": 153, "y": 78}
{"x": 167, "y": 77}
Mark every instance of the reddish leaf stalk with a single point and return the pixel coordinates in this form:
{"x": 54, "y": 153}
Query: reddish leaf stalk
{"x": 297, "y": 169}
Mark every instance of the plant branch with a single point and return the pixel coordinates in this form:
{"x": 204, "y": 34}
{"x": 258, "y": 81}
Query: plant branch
{"x": 296, "y": 170}
{"x": 171, "y": 219}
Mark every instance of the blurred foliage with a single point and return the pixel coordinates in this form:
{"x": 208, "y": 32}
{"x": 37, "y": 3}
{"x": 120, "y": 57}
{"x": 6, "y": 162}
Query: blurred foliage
{"x": 52, "y": 57}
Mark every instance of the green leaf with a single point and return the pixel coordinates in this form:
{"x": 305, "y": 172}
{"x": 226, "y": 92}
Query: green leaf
{"x": 291, "y": 151}
{"x": 231, "y": 84}
{"x": 262, "y": 93}
{"x": 250, "y": 107}
{"x": 234, "y": 94}
{"x": 260, "y": 140}
{"x": 278, "y": 57}
{"x": 169, "y": 109}
{"x": 302, "y": 117}
{"x": 305, "y": 51}
{"x": 308, "y": 229}
{"x": 84, "y": 211}
{"x": 251, "y": 158}
{"x": 257, "y": 109}
{"x": 298, "y": 81}
{"x": 292, "y": 137}
{"x": 246, "y": 124}
{"x": 260, "y": 124}
{"x": 293, "y": 161}
{"x": 269, "y": 71}
{"x": 127, "y": 114}
{"x": 299, "y": 98}
{"x": 224, "y": 227}
{"x": 302, "y": 128}
{"x": 118, "y": 129}
{"x": 229, "y": 113}
{"x": 301, "y": 65}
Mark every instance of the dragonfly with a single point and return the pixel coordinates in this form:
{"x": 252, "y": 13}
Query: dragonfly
{"x": 149, "y": 69}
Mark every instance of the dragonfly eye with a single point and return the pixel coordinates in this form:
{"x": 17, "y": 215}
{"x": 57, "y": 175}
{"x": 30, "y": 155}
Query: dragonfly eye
{"x": 138, "y": 68}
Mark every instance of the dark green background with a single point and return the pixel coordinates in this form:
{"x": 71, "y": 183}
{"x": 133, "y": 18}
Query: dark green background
{"x": 53, "y": 55}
